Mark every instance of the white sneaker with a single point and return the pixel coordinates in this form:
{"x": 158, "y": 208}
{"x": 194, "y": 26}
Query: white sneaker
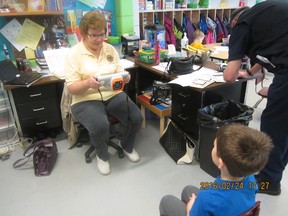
{"x": 133, "y": 156}
{"x": 103, "y": 166}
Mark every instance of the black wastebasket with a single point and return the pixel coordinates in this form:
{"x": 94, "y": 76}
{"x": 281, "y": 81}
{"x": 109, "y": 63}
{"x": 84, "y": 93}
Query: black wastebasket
{"x": 210, "y": 118}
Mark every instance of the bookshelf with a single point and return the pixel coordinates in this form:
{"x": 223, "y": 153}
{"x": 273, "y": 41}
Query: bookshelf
{"x": 14, "y": 8}
{"x": 148, "y": 17}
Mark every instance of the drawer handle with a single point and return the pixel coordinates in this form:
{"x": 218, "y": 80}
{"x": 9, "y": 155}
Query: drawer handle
{"x": 182, "y": 117}
{"x": 36, "y": 95}
{"x": 183, "y": 95}
{"x": 41, "y": 123}
{"x": 38, "y": 109}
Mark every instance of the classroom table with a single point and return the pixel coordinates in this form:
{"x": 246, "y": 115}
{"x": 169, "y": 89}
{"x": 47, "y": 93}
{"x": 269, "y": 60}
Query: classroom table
{"x": 219, "y": 53}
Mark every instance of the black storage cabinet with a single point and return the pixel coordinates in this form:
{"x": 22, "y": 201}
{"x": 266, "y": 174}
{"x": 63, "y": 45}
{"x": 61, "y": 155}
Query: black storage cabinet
{"x": 210, "y": 118}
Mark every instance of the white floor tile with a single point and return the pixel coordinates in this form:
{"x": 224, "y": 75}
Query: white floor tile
{"x": 75, "y": 188}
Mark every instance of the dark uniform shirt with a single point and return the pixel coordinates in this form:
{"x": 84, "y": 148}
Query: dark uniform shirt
{"x": 262, "y": 30}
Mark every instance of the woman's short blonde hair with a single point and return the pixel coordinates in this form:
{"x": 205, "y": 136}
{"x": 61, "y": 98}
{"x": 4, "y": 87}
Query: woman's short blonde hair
{"x": 93, "y": 20}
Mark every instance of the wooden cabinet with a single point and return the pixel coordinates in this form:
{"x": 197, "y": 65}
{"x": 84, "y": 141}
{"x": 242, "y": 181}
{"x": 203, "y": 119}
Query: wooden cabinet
{"x": 37, "y": 108}
{"x": 28, "y": 7}
{"x": 149, "y": 17}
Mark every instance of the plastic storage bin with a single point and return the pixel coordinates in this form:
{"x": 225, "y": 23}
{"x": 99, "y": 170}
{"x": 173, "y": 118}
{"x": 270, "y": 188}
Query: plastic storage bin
{"x": 210, "y": 118}
{"x": 147, "y": 56}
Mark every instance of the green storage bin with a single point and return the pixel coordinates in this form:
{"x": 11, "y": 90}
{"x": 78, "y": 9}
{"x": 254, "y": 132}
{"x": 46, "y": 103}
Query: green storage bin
{"x": 147, "y": 56}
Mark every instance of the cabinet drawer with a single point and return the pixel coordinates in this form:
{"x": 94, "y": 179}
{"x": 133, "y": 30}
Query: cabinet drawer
{"x": 37, "y": 108}
{"x": 187, "y": 120}
{"x": 185, "y": 105}
{"x": 185, "y": 97}
{"x": 35, "y": 93}
{"x": 40, "y": 123}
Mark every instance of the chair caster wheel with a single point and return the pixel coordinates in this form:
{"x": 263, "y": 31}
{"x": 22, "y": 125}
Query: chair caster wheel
{"x": 79, "y": 144}
{"x": 88, "y": 159}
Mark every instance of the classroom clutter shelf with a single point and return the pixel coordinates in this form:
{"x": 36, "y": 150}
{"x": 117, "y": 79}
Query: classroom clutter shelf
{"x": 8, "y": 131}
{"x": 12, "y": 8}
{"x": 150, "y": 17}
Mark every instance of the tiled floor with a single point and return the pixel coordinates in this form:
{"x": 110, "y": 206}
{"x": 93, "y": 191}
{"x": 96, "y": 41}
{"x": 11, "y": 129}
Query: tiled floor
{"x": 76, "y": 188}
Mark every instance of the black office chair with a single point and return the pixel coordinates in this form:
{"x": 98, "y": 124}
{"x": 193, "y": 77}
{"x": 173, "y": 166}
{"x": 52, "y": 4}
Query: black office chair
{"x": 84, "y": 138}
{"x": 253, "y": 211}
{"x": 80, "y": 134}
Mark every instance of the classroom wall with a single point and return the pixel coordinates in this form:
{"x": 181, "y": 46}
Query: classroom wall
{"x": 78, "y": 6}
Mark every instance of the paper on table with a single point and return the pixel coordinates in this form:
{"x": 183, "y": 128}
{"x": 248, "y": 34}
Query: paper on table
{"x": 218, "y": 78}
{"x": 197, "y": 79}
{"x": 126, "y": 63}
{"x": 10, "y": 32}
{"x": 161, "y": 66}
{"x": 30, "y": 34}
{"x": 56, "y": 61}
{"x": 220, "y": 49}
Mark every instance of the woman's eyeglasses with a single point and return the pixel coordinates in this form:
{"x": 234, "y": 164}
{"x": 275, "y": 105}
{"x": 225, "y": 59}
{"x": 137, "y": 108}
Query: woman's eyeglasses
{"x": 94, "y": 36}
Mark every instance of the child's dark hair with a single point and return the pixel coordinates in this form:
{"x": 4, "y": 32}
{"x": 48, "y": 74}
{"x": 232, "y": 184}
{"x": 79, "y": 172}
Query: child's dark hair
{"x": 243, "y": 150}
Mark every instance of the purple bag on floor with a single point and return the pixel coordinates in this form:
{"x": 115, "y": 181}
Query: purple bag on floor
{"x": 44, "y": 153}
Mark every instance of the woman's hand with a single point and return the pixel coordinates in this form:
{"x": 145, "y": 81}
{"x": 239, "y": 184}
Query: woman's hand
{"x": 243, "y": 74}
{"x": 81, "y": 86}
{"x": 127, "y": 79}
{"x": 92, "y": 82}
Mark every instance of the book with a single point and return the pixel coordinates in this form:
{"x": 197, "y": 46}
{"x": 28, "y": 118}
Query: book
{"x": 141, "y": 5}
{"x": 51, "y": 5}
{"x": 36, "y": 5}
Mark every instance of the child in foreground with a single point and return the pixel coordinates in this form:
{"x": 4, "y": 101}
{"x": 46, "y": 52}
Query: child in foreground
{"x": 239, "y": 152}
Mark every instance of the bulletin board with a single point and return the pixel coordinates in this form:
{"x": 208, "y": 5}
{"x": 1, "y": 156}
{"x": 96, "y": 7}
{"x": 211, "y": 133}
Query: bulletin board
{"x": 75, "y": 9}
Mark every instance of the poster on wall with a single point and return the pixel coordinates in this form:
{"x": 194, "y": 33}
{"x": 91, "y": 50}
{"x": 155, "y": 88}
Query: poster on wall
{"x": 96, "y": 4}
{"x": 69, "y": 3}
{"x": 10, "y": 32}
{"x": 100, "y": 3}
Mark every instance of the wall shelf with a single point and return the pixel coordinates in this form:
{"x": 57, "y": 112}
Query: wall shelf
{"x": 26, "y": 13}
{"x": 148, "y": 17}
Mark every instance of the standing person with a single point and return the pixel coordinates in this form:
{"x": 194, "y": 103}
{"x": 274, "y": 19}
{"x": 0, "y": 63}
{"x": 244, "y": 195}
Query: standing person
{"x": 239, "y": 152}
{"x": 263, "y": 30}
{"x": 92, "y": 103}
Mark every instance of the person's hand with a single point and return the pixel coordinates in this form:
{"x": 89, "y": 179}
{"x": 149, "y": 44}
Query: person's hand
{"x": 127, "y": 79}
{"x": 190, "y": 203}
{"x": 93, "y": 83}
{"x": 243, "y": 74}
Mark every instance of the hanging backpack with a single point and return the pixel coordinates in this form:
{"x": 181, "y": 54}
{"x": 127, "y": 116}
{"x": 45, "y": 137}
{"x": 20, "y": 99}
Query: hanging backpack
{"x": 169, "y": 36}
{"x": 190, "y": 30}
{"x": 184, "y": 23}
{"x": 178, "y": 32}
{"x": 203, "y": 24}
{"x": 219, "y": 30}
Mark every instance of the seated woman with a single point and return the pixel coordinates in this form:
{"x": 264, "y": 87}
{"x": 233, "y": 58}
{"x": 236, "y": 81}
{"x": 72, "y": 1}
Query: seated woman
{"x": 92, "y": 103}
